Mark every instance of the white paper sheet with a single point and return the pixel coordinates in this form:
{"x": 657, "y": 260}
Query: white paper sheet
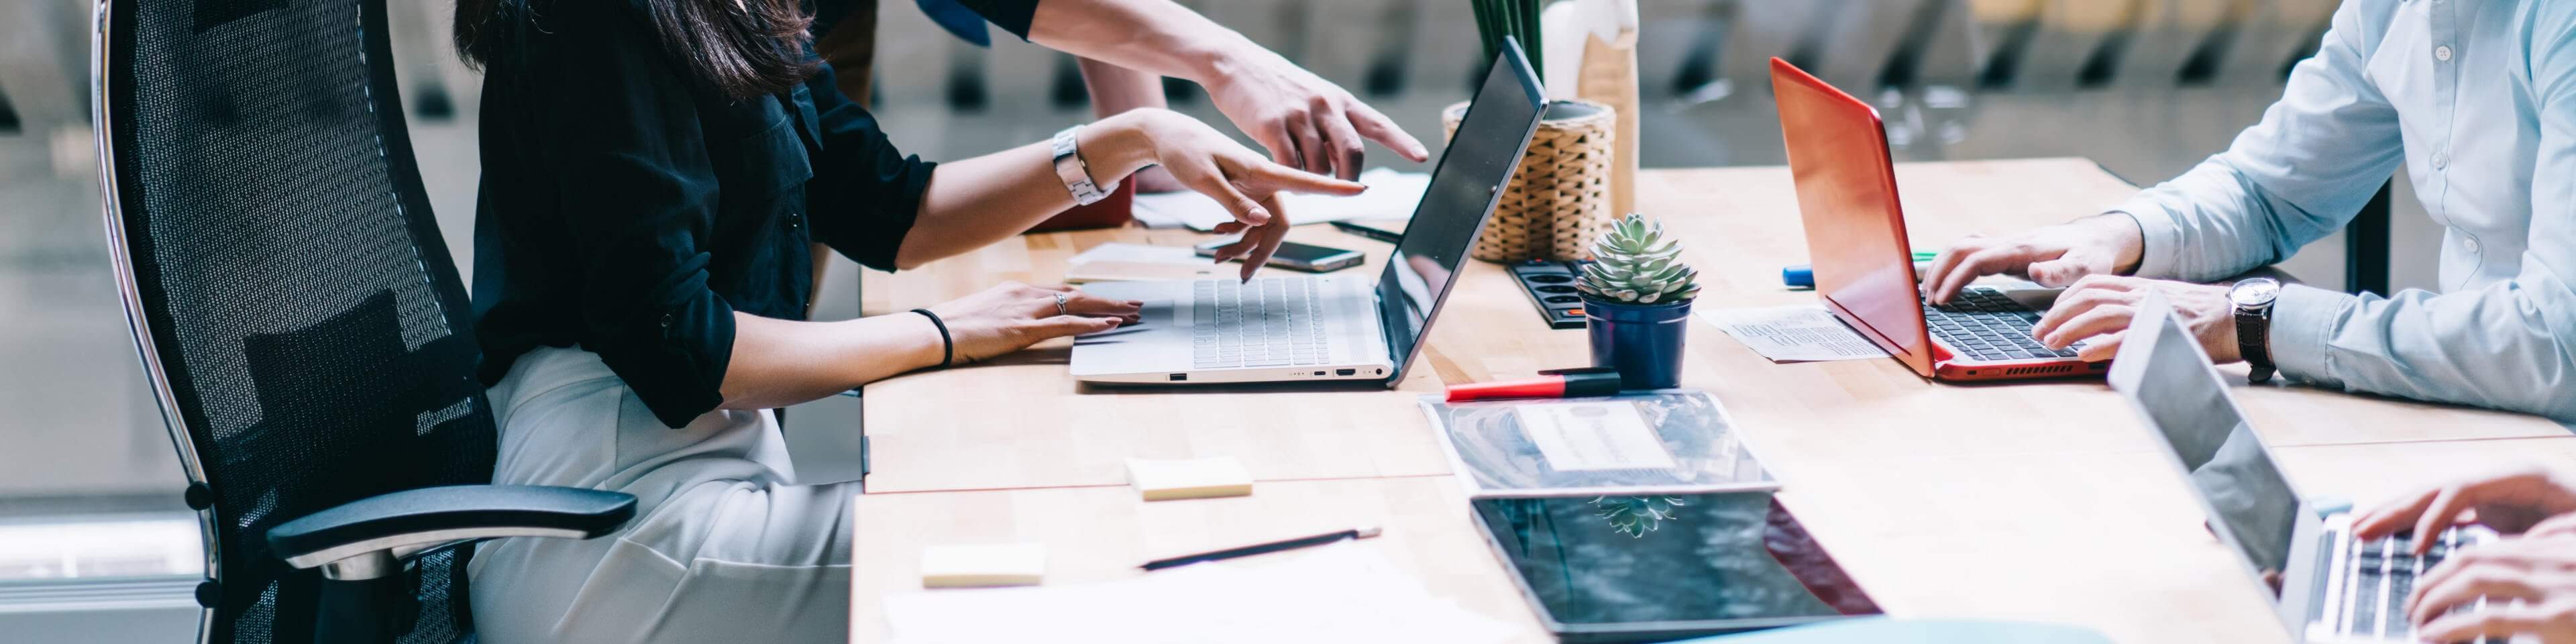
{"x": 1593, "y": 435}
{"x": 1802, "y": 333}
{"x": 1391, "y": 195}
{"x": 1137, "y": 254}
{"x": 1339, "y": 593}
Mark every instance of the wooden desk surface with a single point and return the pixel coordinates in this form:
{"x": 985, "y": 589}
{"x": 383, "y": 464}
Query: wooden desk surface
{"x": 1101, "y": 533}
{"x": 944, "y": 430}
{"x": 2038, "y": 501}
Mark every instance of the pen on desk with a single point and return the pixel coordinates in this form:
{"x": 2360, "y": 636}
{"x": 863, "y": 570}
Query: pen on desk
{"x": 1370, "y": 232}
{"x": 1802, "y": 276}
{"x": 1264, "y": 548}
{"x": 1559, "y": 383}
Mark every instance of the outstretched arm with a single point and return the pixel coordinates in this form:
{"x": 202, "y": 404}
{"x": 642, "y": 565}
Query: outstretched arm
{"x": 1305, "y": 121}
{"x": 978, "y": 201}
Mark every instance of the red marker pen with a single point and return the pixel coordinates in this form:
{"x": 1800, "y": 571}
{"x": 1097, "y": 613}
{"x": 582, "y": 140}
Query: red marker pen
{"x": 1561, "y": 383}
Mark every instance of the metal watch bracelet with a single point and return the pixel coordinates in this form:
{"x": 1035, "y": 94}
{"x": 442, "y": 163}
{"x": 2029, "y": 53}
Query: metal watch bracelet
{"x": 1076, "y": 174}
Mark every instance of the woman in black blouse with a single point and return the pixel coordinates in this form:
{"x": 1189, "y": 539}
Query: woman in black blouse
{"x": 653, "y": 172}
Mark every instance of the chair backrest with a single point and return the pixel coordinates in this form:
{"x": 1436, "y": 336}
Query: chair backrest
{"x": 304, "y": 328}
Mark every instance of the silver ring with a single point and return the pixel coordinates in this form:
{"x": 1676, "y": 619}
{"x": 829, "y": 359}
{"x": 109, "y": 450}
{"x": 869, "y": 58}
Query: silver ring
{"x": 1059, "y": 304}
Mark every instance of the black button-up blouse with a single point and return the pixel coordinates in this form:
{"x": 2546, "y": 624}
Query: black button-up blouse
{"x": 630, "y": 210}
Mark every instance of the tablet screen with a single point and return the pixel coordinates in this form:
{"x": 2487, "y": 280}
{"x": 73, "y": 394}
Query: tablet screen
{"x": 1667, "y": 558}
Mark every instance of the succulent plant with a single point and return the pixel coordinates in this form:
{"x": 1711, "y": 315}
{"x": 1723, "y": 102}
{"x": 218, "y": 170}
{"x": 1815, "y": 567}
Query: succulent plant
{"x": 1632, "y": 263}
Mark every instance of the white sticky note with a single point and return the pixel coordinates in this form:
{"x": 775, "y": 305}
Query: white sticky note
{"x": 1193, "y": 478}
{"x": 1596, "y": 435}
{"x": 983, "y": 565}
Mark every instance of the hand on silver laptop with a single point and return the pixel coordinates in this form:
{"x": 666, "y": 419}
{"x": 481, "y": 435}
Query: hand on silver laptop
{"x": 1012, "y": 316}
{"x": 2513, "y": 501}
{"x": 2102, "y": 305}
{"x": 2054, "y": 256}
{"x": 2528, "y": 582}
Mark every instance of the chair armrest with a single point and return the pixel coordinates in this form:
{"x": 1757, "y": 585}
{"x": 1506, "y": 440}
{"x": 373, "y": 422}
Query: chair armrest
{"x": 366, "y": 535}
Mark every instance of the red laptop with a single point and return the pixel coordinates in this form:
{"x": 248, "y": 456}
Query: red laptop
{"x": 1864, "y": 266}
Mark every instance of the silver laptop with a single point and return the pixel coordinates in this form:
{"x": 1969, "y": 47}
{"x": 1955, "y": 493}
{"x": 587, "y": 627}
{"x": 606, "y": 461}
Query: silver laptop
{"x": 2330, "y": 588}
{"x": 1330, "y": 327}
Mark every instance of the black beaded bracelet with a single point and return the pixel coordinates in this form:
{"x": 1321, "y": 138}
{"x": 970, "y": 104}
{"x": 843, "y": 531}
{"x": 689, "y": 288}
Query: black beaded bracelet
{"x": 947, "y": 345}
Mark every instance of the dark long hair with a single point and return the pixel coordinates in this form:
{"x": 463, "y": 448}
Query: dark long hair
{"x": 745, "y": 49}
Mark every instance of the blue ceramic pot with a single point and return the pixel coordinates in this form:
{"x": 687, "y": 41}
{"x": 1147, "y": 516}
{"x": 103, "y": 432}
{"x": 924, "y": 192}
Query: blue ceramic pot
{"x": 1643, "y": 341}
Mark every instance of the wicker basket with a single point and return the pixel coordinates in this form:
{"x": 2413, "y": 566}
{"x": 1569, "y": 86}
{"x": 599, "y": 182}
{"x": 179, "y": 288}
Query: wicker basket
{"x": 1558, "y": 200}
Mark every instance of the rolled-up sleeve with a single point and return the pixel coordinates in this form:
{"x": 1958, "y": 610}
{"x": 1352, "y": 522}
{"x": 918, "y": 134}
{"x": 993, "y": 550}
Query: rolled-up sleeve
{"x": 624, "y": 132}
{"x": 866, "y": 193}
{"x": 2298, "y": 175}
{"x": 2505, "y": 346}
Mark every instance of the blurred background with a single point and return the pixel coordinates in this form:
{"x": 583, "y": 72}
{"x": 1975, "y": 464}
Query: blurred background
{"x": 96, "y": 546}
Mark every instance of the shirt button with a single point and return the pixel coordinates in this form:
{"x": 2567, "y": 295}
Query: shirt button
{"x": 2470, "y": 243}
{"x": 2442, "y": 53}
{"x": 2441, "y": 160}
{"x": 795, "y": 221}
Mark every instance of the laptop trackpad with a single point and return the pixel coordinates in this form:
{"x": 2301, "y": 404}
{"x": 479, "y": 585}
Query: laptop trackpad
{"x": 1156, "y": 315}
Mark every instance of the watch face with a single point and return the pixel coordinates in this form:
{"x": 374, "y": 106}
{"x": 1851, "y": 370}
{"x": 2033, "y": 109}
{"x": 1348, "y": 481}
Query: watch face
{"x": 2255, "y": 292}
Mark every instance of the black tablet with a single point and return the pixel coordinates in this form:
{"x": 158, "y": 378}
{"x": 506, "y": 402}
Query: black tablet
{"x": 1621, "y": 568}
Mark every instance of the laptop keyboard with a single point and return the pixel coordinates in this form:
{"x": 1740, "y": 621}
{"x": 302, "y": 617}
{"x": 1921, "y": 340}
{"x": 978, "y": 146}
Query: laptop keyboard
{"x": 2381, "y": 575}
{"x": 1983, "y": 324}
{"x": 1262, "y": 323}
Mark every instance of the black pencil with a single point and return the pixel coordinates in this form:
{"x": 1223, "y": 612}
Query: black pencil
{"x": 1263, "y": 548}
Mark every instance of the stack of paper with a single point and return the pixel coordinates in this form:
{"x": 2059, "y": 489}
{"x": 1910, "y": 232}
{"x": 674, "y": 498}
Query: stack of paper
{"x": 1117, "y": 262}
{"x": 1137, "y": 254}
{"x": 1391, "y": 195}
{"x": 1339, "y": 593}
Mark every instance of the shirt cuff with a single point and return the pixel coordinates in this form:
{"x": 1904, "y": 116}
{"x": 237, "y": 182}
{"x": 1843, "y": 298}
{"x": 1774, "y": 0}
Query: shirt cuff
{"x": 2160, "y": 253}
{"x": 2303, "y": 319}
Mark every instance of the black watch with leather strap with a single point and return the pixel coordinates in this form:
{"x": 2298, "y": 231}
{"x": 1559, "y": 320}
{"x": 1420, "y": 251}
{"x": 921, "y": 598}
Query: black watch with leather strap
{"x": 2253, "y": 300}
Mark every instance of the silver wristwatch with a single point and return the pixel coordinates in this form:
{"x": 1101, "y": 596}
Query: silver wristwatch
{"x": 2252, "y": 300}
{"x": 1075, "y": 173}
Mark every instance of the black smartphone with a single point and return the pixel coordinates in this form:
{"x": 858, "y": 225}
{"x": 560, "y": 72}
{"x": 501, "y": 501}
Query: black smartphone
{"x": 1299, "y": 257}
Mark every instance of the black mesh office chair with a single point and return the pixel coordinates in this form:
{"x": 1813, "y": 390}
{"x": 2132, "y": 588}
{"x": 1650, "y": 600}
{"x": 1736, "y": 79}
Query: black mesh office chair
{"x": 304, "y": 330}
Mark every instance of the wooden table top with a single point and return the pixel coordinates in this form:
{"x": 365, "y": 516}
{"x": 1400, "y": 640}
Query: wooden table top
{"x": 2034, "y": 500}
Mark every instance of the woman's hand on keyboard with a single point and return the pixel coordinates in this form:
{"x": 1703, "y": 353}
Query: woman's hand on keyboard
{"x": 2511, "y": 501}
{"x": 2529, "y": 585}
{"x": 1012, "y": 316}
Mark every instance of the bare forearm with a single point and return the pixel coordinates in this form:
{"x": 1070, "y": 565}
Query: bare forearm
{"x": 1117, "y": 89}
{"x": 975, "y": 202}
{"x": 777, "y": 363}
{"x": 1152, "y": 36}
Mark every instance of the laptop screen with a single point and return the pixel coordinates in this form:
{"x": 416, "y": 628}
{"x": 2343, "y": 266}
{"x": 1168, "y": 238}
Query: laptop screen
{"x": 2182, "y": 396}
{"x": 1464, "y": 188}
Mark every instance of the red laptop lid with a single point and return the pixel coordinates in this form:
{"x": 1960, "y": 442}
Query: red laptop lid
{"x": 1864, "y": 266}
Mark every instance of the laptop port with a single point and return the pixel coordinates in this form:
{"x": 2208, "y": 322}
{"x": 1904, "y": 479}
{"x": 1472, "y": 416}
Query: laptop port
{"x": 1346, "y": 372}
{"x": 1180, "y": 377}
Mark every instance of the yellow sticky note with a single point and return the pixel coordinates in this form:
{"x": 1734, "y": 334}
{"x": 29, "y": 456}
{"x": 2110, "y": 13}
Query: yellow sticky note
{"x": 979, "y": 566}
{"x": 1194, "y": 478}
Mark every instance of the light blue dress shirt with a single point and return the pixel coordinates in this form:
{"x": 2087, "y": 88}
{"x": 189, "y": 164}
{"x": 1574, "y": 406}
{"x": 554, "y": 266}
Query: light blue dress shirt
{"x": 2477, "y": 98}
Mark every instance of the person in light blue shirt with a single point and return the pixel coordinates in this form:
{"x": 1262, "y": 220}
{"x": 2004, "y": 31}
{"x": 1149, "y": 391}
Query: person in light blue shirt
{"x": 2476, "y": 99}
